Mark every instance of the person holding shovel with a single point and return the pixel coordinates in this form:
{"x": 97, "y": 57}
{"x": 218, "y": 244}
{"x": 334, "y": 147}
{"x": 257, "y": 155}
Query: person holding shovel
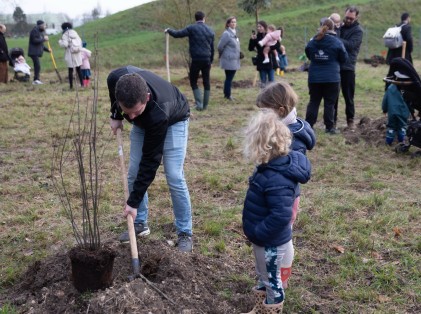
{"x": 201, "y": 38}
{"x": 36, "y": 48}
{"x": 159, "y": 113}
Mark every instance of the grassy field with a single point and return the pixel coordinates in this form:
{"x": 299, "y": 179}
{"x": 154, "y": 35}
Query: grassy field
{"x": 357, "y": 238}
{"x": 135, "y": 36}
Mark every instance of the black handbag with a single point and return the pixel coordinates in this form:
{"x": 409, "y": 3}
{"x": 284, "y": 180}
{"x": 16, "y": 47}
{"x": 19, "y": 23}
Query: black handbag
{"x": 241, "y": 55}
{"x": 254, "y": 60}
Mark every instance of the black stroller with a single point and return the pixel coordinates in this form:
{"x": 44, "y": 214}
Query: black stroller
{"x": 19, "y": 75}
{"x": 410, "y": 84}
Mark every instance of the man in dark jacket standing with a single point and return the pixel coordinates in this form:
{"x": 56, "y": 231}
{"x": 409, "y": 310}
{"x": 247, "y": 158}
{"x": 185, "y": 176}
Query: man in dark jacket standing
{"x": 159, "y": 113}
{"x": 406, "y": 33}
{"x": 4, "y": 56}
{"x": 36, "y": 48}
{"x": 351, "y": 35}
{"x": 201, "y": 38}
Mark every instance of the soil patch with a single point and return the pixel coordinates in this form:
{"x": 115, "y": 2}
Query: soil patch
{"x": 372, "y": 131}
{"x": 194, "y": 283}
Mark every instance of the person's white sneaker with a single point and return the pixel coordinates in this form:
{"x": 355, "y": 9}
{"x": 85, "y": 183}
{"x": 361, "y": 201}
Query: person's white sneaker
{"x": 266, "y": 60}
{"x": 37, "y": 82}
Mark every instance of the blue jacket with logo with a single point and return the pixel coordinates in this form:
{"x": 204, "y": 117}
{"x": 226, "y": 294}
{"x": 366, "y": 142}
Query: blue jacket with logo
{"x": 326, "y": 56}
{"x": 268, "y": 205}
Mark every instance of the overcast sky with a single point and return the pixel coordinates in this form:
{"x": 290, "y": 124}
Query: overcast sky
{"x": 72, "y": 8}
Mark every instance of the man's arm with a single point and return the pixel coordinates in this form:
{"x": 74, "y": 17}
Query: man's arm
{"x": 355, "y": 40}
{"x": 178, "y": 34}
{"x": 153, "y": 146}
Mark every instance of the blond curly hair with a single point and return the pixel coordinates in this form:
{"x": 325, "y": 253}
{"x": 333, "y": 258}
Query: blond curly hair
{"x": 266, "y": 137}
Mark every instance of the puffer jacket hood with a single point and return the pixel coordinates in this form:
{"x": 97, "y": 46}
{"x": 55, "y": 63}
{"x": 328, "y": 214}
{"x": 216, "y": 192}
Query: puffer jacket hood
{"x": 303, "y": 136}
{"x": 294, "y": 167}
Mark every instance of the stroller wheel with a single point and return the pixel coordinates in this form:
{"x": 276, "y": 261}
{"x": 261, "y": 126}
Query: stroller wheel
{"x": 402, "y": 148}
{"x": 416, "y": 154}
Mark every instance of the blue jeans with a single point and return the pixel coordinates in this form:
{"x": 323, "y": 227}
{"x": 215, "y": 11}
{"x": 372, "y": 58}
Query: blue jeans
{"x": 229, "y": 76}
{"x": 173, "y": 158}
{"x": 266, "y": 76}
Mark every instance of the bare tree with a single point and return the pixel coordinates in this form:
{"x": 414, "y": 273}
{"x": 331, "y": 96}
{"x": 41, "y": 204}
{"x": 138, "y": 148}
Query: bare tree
{"x": 253, "y": 6}
{"x": 76, "y": 168}
{"x": 178, "y": 14}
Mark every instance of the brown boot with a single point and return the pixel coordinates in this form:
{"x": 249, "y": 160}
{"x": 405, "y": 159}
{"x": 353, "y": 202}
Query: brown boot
{"x": 259, "y": 298}
{"x": 351, "y": 125}
{"x": 272, "y": 308}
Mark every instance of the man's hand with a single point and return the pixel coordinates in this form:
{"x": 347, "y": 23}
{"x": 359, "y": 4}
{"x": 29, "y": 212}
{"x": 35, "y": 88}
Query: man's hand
{"x": 128, "y": 210}
{"x": 166, "y": 30}
{"x": 45, "y": 38}
{"x": 116, "y": 124}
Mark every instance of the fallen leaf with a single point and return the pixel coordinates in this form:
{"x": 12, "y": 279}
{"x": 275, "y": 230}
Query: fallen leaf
{"x": 397, "y": 232}
{"x": 383, "y": 299}
{"x": 339, "y": 248}
{"x": 365, "y": 260}
{"x": 28, "y": 240}
{"x": 28, "y": 253}
{"x": 376, "y": 255}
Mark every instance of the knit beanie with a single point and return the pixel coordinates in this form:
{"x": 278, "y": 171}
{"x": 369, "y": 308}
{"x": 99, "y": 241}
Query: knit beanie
{"x": 40, "y": 22}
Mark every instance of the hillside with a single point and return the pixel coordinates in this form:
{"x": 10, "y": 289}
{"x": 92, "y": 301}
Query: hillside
{"x": 136, "y": 35}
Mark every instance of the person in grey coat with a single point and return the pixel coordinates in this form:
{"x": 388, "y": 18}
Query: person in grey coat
{"x": 36, "y": 48}
{"x": 229, "y": 54}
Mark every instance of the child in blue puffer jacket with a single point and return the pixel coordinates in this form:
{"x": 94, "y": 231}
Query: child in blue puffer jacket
{"x": 268, "y": 207}
{"x": 281, "y": 98}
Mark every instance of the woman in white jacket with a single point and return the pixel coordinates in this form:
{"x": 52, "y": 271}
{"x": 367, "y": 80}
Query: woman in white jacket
{"x": 72, "y": 43}
{"x": 229, "y": 54}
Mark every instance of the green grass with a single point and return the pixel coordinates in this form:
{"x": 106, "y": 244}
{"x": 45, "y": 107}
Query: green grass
{"x": 359, "y": 193}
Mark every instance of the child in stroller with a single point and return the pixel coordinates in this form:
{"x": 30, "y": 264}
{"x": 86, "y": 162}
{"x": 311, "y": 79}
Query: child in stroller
{"x": 409, "y": 82}
{"x": 21, "y": 68}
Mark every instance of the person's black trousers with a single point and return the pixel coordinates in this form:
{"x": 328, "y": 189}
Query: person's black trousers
{"x": 329, "y": 92}
{"x": 195, "y": 68}
{"x": 348, "y": 90}
{"x": 37, "y": 67}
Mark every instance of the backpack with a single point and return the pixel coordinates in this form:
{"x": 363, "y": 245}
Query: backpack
{"x": 393, "y": 37}
{"x": 74, "y": 46}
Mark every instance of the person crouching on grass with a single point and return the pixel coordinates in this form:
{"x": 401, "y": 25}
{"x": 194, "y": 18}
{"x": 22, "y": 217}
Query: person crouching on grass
{"x": 269, "y": 201}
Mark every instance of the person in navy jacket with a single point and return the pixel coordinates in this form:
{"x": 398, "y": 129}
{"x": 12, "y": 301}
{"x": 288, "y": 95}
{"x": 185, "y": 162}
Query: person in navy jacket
{"x": 201, "y": 41}
{"x": 326, "y": 53}
{"x": 283, "y": 100}
{"x": 267, "y": 211}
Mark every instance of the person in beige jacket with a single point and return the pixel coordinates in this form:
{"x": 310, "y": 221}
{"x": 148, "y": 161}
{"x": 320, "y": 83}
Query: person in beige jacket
{"x": 72, "y": 44}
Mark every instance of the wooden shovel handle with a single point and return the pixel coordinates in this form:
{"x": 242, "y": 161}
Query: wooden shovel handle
{"x": 130, "y": 225}
{"x": 403, "y": 49}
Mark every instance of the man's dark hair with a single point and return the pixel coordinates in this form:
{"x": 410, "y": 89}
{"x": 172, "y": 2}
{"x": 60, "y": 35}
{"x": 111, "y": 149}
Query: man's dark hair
{"x": 199, "y": 15}
{"x": 353, "y": 9}
{"x": 130, "y": 90}
{"x": 404, "y": 16}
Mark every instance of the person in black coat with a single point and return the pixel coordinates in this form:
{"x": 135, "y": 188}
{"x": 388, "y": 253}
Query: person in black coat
{"x": 159, "y": 114}
{"x": 201, "y": 38}
{"x": 36, "y": 48}
{"x": 351, "y": 35}
{"x": 266, "y": 70}
{"x": 4, "y": 56}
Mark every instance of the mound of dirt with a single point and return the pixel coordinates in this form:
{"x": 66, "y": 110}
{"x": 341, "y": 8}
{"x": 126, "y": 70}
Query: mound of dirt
{"x": 371, "y": 131}
{"x": 178, "y": 283}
